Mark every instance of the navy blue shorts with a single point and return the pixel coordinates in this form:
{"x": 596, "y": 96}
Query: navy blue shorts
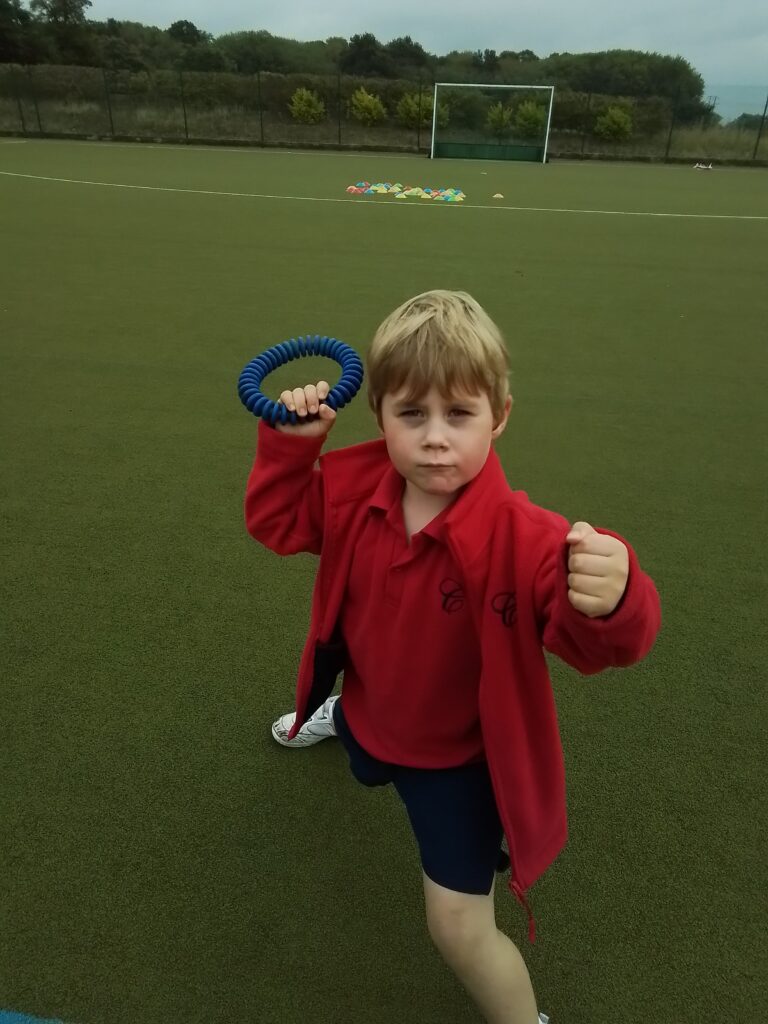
{"x": 452, "y": 812}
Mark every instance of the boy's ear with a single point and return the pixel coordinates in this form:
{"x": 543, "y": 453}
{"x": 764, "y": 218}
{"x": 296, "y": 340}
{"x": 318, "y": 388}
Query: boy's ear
{"x": 498, "y": 430}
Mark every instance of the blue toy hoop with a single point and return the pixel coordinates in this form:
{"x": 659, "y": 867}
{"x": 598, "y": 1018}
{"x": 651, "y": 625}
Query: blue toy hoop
{"x": 249, "y": 384}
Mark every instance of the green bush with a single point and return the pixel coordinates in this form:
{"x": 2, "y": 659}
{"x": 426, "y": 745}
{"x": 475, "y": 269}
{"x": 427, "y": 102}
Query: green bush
{"x": 306, "y": 107}
{"x": 747, "y": 121}
{"x": 60, "y": 81}
{"x": 568, "y": 110}
{"x": 499, "y": 119}
{"x": 467, "y": 108}
{"x": 615, "y": 125}
{"x": 413, "y": 110}
{"x": 650, "y": 115}
{"x": 366, "y": 108}
{"x": 530, "y": 120}
{"x": 277, "y": 90}
{"x": 408, "y": 111}
{"x": 203, "y": 90}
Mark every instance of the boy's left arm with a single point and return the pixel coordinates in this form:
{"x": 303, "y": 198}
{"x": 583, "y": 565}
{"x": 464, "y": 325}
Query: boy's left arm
{"x": 596, "y": 606}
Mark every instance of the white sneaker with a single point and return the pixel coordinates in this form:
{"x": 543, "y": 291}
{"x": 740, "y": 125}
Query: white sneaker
{"x": 543, "y": 1018}
{"x": 319, "y": 727}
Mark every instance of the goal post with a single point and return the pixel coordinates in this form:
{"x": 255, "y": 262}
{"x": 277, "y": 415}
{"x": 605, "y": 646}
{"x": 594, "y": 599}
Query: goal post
{"x": 491, "y": 122}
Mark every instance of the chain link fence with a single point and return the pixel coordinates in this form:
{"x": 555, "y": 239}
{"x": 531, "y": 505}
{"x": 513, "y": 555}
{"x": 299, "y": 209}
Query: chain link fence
{"x": 216, "y": 107}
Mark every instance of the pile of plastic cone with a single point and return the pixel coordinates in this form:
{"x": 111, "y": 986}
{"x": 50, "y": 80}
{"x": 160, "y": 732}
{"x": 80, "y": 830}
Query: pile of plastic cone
{"x": 400, "y": 191}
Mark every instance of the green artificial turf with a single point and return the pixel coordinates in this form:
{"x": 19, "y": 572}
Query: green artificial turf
{"x": 163, "y": 860}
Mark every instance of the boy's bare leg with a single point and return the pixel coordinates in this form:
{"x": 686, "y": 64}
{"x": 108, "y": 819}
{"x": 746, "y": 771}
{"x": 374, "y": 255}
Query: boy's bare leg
{"x": 486, "y": 962}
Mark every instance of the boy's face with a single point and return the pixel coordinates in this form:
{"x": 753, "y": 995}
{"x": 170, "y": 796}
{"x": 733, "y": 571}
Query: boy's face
{"x": 439, "y": 444}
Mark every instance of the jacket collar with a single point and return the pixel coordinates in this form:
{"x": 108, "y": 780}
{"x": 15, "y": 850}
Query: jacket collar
{"x": 362, "y": 471}
{"x": 468, "y": 521}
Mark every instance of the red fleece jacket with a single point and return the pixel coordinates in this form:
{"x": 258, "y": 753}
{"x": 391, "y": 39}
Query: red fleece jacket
{"x": 513, "y": 556}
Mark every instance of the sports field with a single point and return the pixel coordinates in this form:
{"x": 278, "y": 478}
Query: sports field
{"x": 162, "y": 860}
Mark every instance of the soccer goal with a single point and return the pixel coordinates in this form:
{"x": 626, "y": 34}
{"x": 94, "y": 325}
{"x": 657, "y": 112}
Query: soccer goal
{"x": 491, "y": 122}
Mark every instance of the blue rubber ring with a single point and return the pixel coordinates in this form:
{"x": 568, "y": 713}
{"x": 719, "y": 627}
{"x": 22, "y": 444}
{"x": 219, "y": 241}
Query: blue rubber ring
{"x": 253, "y": 374}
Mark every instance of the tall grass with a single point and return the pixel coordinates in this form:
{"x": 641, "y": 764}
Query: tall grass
{"x": 718, "y": 143}
{"x": 693, "y": 143}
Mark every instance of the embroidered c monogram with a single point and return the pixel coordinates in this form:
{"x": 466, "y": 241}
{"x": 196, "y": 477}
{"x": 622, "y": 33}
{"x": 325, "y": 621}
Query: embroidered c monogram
{"x": 453, "y": 595}
{"x": 505, "y": 605}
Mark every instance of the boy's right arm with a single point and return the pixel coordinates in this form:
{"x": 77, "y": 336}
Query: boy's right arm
{"x": 284, "y": 495}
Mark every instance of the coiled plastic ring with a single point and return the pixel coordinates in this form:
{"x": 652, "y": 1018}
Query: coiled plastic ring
{"x": 252, "y": 377}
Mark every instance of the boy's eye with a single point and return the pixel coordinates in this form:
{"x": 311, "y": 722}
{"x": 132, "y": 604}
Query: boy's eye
{"x": 412, "y": 413}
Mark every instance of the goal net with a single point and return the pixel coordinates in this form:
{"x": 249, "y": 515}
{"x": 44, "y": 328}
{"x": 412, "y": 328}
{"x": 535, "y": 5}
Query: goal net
{"x": 491, "y": 122}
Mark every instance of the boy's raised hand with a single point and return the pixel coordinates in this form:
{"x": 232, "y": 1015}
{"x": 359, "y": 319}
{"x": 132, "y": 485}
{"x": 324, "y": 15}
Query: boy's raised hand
{"x": 306, "y": 401}
{"x": 598, "y": 569}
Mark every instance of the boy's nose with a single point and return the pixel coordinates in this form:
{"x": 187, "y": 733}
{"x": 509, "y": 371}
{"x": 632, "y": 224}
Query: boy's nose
{"x": 435, "y": 437}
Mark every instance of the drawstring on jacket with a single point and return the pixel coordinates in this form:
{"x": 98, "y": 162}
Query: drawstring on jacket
{"x": 520, "y": 897}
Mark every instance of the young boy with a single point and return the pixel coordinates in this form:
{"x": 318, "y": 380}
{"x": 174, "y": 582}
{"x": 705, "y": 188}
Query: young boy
{"x": 437, "y": 590}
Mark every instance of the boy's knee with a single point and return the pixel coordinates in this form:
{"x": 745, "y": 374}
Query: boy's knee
{"x": 459, "y": 924}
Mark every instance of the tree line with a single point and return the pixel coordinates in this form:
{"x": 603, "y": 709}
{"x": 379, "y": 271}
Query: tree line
{"x": 59, "y": 32}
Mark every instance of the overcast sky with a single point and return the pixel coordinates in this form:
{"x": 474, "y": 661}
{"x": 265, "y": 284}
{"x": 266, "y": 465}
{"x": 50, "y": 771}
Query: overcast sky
{"x": 725, "y": 42}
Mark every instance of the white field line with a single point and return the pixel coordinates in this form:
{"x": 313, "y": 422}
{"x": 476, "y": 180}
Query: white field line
{"x": 318, "y": 199}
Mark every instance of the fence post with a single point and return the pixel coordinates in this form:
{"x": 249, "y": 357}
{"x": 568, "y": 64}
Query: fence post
{"x": 584, "y": 122}
{"x": 261, "y": 108}
{"x": 34, "y": 98}
{"x": 109, "y": 102}
{"x": 669, "y": 137}
{"x": 338, "y": 102}
{"x": 184, "y": 105}
{"x": 760, "y": 129}
{"x": 18, "y": 101}
{"x": 418, "y": 118}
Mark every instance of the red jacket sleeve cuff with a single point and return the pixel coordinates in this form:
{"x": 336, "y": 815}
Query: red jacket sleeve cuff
{"x": 631, "y": 627}
{"x": 275, "y": 444}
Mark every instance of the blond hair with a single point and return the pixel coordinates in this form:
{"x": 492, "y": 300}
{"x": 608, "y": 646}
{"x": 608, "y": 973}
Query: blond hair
{"x": 439, "y": 338}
